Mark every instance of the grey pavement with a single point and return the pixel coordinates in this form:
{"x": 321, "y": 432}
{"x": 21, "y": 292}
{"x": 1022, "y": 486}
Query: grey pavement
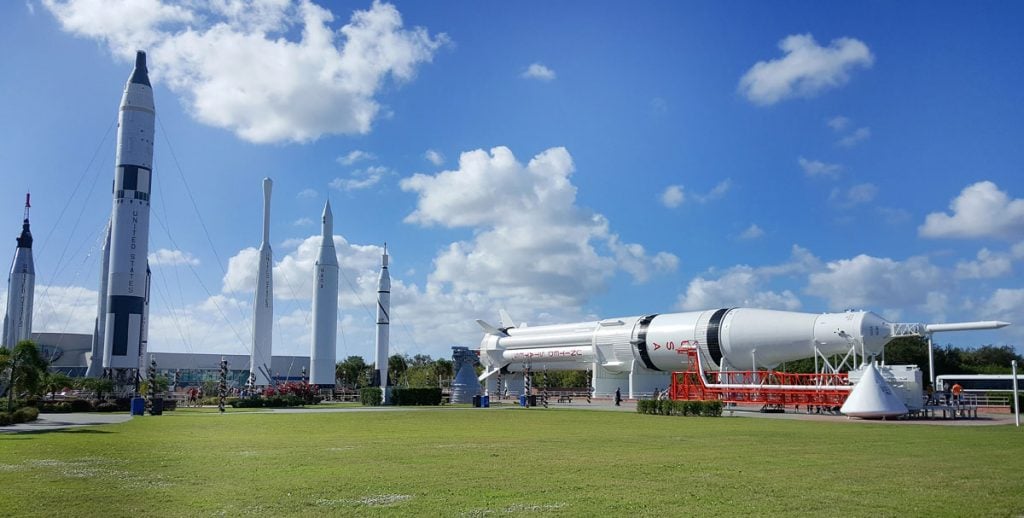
{"x": 53, "y": 422}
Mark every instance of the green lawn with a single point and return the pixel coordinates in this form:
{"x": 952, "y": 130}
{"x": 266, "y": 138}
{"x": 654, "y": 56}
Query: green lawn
{"x": 459, "y": 462}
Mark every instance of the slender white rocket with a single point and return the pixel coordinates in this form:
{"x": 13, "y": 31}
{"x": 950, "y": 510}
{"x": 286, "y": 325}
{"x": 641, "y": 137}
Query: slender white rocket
{"x": 95, "y": 368}
{"x": 21, "y": 285}
{"x": 127, "y": 281}
{"x": 322, "y": 356}
{"x": 263, "y": 307}
{"x": 383, "y": 324}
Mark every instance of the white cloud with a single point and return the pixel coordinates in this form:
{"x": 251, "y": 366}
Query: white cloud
{"x": 434, "y": 157}
{"x": 987, "y": 265}
{"x": 866, "y": 282}
{"x": 838, "y": 123}
{"x": 859, "y": 135}
{"x": 356, "y": 156}
{"x": 532, "y": 245}
{"x": 673, "y": 196}
{"x": 981, "y": 210}
{"x": 539, "y": 72}
{"x": 63, "y": 309}
{"x": 360, "y": 179}
{"x": 752, "y": 232}
{"x": 303, "y": 222}
{"x": 743, "y": 285}
{"x": 857, "y": 195}
{"x": 165, "y": 257}
{"x": 31, "y": 8}
{"x": 307, "y": 193}
{"x": 814, "y": 168}
{"x": 805, "y": 70}
{"x": 236, "y": 67}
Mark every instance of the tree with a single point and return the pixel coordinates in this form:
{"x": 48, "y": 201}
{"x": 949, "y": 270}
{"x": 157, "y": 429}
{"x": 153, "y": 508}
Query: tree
{"x": 396, "y": 368}
{"x": 27, "y": 368}
{"x": 351, "y": 371}
{"x": 99, "y": 386}
{"x": 56, "y": 381}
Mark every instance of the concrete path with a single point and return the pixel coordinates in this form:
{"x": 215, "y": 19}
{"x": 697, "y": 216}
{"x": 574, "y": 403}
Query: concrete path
{"x": 53, "y": 422}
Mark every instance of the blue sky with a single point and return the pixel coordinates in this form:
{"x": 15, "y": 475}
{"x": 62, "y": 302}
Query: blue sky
{"x": 566, "y": 161}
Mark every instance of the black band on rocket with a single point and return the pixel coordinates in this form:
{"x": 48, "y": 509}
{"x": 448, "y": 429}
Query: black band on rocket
{"x": 641, "y": 342}
{"x": 714, "y": 335}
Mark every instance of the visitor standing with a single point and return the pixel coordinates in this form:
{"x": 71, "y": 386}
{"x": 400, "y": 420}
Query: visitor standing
{"x": 618, "y": 397}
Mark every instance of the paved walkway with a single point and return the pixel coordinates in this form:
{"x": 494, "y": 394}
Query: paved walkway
{"x": 53, "y": 422}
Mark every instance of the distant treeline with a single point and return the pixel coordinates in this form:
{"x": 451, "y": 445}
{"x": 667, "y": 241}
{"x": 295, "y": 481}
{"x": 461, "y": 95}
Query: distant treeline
{"x": 949, "y": 359}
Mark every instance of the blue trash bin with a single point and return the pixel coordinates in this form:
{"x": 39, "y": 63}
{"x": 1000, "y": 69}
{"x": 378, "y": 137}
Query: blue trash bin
{"x": 522, "y": 400}
{"x": 138, "y": 406}
{"x": 485, "y": 401}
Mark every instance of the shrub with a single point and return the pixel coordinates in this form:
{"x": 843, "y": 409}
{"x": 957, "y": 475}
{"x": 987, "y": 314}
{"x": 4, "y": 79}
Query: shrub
{"x": 81, "y": 405}
{"x": 5, "y": 419}
{"x": 107, "y": 406}
{"x": 25, "y": 414}
{"x": 416, "y": 396}
{"x": 370, "y": 396}
{"x": 680, "y": 408}
{"x": 54, "y": 407}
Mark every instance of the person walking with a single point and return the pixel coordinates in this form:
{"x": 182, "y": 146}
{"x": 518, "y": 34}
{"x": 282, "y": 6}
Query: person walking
{"x": 618, "y": 397}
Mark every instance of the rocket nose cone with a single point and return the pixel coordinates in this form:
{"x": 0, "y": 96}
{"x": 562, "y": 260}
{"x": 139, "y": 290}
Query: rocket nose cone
{"x": 141, "y": 74}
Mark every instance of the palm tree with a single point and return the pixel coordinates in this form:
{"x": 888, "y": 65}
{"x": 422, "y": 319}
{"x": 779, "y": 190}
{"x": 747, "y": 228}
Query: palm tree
{"x": 396, "y": 368}
{"x": 53, "y": 382}
{"x": 27, "y": 369}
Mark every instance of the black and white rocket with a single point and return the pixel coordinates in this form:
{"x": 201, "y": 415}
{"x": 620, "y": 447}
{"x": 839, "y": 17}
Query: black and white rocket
{"x": 383, "y": 325}
{"x": 322, "y": 356}
{"x": 21, "y": 285}
{"x": 263, "y": 306}
{"x": 124, "y": 327}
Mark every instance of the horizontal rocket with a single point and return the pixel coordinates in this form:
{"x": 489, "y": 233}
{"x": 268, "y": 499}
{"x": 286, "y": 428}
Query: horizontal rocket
{"x": 727, "y": 338}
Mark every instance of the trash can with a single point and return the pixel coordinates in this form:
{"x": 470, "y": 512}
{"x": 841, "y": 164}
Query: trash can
{"x": 532, "y": 400}
{"x": 158, "y": 407}
{"x": 476, "y": 401}
{"x": 138, "y": 406}
{"x": 485, "y": 401}
{"x": 522, "y": 400}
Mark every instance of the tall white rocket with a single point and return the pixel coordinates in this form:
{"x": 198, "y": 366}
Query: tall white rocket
{"x": 383, "y": 323}
{"x": 322, "y": 356}
{"x": 21, "y": 286}
{"x": 95, "y": 368}
{"x": 263, "y": 307}
{"x": 124, "y": 331}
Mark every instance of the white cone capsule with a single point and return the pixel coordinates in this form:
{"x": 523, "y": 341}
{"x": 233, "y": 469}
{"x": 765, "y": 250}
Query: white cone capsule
{"x": 123, "y": 332}
{"x": 21, "y": 285}
{"x": 383, "y": 323}
{"x": 263, "y": 306}
{"x": 322, "y": 356}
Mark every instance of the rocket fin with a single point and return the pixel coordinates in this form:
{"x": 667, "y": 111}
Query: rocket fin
{"x": 489, "y": 329}
{"x": 506, "y": 320}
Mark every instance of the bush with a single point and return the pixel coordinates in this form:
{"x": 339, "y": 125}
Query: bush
{"x": 25, "y": 414}
{"x": 680, "y": 408}
{"x": 416, "y": 396}
{"x": 54, "y": 407}
{"x": 370, "y": 396}
{"x": 107, "y": 406}
{"x": 81, "y": 405}
{"x": 5, "y": 419}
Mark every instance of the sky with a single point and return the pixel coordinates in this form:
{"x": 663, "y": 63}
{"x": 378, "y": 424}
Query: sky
{"x": 566, "y": 161}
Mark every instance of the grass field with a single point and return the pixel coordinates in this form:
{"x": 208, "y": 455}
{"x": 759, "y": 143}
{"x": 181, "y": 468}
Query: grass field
{"x": 474, "y": 462}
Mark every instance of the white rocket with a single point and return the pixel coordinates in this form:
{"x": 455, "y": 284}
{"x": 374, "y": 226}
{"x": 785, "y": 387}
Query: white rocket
{"x": 383, "y": 324}
{"x": 322, "y": 356}
{"x": 95, "y": 368}
{"x": 263, "y": 307}
{"x": 124, "y": 328}
{"x": 728, "y": 339}
{"x": 21, "y": 285}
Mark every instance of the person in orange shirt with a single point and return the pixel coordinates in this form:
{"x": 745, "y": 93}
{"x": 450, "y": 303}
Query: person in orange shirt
{"x": 956, "y": 390}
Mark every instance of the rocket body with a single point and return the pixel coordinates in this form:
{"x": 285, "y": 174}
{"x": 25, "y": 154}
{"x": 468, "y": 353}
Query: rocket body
{"x": 21, "y": 285}
{"x": 263, "y": 306}
{"x": 325, "y": 307}
{"x": 383, "y": 324}
{"x": 124, "y": 329}
{"x": 732, "y": 339}
{"x": 96, "y": 361}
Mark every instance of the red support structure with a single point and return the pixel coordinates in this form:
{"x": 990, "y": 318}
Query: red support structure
{"x": 767, "y": 387}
